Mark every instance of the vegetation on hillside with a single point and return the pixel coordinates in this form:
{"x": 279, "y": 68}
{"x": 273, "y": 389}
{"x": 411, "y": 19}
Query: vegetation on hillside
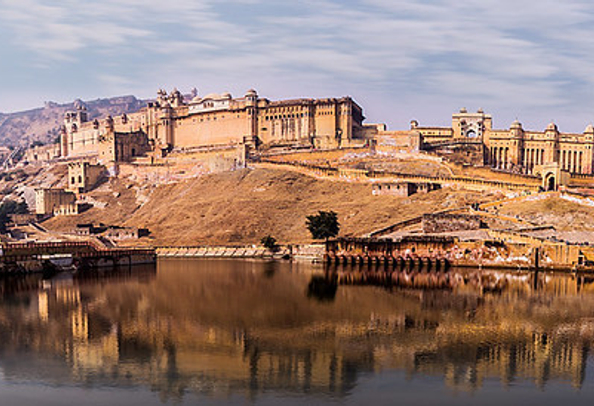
{"x": 323, "y": 225}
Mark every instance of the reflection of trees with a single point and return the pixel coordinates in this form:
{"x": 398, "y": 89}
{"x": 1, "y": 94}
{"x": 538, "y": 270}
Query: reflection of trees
{"x": 322, "y": 288}
{"x": 225, "y": 327}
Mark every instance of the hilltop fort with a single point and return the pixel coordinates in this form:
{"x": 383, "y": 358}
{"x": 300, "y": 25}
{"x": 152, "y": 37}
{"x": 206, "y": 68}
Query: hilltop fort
{"x": 217, "y": 169}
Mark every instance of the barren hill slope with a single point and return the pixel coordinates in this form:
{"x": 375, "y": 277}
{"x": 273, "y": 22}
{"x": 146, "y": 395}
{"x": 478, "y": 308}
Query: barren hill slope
{"x": 243, "y": 206}
{"x": 564, "y": 214}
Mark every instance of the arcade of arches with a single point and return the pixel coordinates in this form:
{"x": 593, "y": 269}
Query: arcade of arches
{"x": 516, "y": 149}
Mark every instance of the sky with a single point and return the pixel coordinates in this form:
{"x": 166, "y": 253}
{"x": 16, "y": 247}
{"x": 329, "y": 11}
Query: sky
{"x": 399, "y": 59}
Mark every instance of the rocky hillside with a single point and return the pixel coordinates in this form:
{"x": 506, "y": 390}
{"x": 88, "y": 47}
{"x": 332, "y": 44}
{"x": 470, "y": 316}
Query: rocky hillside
{"x": 42, "y": 124}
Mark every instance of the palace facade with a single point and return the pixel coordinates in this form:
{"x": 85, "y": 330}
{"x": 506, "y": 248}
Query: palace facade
{"x": 173, "y": 121}
{"x": 514, "y": 149}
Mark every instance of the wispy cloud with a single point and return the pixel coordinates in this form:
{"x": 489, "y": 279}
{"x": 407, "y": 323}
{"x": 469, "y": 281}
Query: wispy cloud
{"x": 405, "y": 58}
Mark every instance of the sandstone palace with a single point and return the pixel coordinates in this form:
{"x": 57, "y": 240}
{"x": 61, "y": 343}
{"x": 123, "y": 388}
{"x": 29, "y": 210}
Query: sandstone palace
{"x": 175, "y": 122}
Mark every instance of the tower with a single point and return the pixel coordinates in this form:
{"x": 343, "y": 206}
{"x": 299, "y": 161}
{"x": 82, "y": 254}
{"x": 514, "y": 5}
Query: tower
{"x": 517, "y": 144}
{"x": 552, "y": 144}
{"x": 251, "y": 104}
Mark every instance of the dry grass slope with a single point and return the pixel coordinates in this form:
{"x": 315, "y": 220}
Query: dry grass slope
{"x": 564, "y": 215}
{"x": 243, "y": 206}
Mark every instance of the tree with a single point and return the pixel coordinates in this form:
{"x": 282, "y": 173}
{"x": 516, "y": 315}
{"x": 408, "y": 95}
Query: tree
{"x": 270, "y": 243}
{"x": 8, "y": 207}
{"x": 323, "y": 225}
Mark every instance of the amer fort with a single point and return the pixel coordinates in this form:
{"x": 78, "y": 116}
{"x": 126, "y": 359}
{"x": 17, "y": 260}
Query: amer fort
{"x": 464, "y": 256}
{"x": 495, "y": 175}
{"x": 174, "y": 122}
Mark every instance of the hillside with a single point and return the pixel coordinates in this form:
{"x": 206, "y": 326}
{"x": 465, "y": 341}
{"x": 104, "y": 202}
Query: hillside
{"x": 42, "y": 124}
{"x": 564, "y": 214}
{"x": 243, "y": 206}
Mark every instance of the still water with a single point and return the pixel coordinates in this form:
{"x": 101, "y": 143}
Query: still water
{"x": 240, "y": 332}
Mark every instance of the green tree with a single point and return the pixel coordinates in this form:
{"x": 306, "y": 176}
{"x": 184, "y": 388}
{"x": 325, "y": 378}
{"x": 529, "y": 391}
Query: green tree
{"x": 270, "y": 243}
{"x": 323, "y": 225}
{"x": 8, "y": 207}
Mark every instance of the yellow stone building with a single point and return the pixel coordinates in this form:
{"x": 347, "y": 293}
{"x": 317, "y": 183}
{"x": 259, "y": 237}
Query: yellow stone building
{"x": 514, "y": 149}
{"x": 173, "y": 121}
{"x": 82, "y": 176}
{"x": 47, "y": 201}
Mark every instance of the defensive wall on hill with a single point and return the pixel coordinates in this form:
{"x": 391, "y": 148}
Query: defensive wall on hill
{"x": 361, "y": 175}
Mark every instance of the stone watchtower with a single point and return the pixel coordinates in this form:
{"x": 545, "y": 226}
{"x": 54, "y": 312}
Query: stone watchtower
{"x": 516, "y": 151}
{"x": 73, "y": 120}
{"x": 251, "y": 104}
{"x": 552, "y": 144}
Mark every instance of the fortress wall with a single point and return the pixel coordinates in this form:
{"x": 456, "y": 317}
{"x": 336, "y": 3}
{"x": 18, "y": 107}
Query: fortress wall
{"x": 309, "y": 156}
{"x": 177, "y": 167}
{"x": 211, "y": 128}
{"x": 326, "y": 121}
{"x": 43, "y": 153}
{"x": 388, "y": 141}
{"x": 84, "y": 141}
{"x": 285, "y": 123}
{"x": 441, "y": 223}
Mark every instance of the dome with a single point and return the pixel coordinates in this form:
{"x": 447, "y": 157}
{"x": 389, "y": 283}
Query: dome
{"x": 226, "y": 95}
{"x": 196, "y": 99}
{"x": 516, "y": 124}
{"x": 589, "y": 129}
{"x": 251, "y": 92}
{"x": 463, "y": 110}
{"x": 552, "y": 127}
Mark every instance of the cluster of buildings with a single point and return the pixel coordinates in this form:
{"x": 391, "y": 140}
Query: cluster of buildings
{"x": 82, "y": 177}
{"x": 191, "y": 123}
{"x": 185, "y": 123}
{"x": 174, "y": 122}
{"x": 515, "y": 149}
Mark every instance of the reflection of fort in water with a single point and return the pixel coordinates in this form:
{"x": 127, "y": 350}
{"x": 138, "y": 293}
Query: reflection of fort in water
{"x": 220, "y": 328}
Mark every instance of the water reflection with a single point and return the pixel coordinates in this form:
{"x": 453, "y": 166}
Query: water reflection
{"x": 225, "y": 328}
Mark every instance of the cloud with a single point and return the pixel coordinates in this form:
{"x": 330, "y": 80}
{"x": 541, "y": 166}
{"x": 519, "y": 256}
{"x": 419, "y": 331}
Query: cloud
{"x": 505, "y": 55}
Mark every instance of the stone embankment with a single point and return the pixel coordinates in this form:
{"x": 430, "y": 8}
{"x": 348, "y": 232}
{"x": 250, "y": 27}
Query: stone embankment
{"x": 312, "y": 253}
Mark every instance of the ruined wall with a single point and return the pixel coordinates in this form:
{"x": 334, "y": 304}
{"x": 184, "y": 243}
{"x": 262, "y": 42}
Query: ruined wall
{"x": 443, "y": 223}
{"x": 42, "y": 153}
{"x": 47, "y": 200}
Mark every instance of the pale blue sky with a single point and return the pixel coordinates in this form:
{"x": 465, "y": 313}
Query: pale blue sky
{"x": 400, "y": 59}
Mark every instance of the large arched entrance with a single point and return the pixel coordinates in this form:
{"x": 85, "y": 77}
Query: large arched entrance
{"x": 550, "y": 182}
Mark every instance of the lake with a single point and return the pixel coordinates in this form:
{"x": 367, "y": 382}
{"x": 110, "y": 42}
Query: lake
{"x": 254, "y": 332}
